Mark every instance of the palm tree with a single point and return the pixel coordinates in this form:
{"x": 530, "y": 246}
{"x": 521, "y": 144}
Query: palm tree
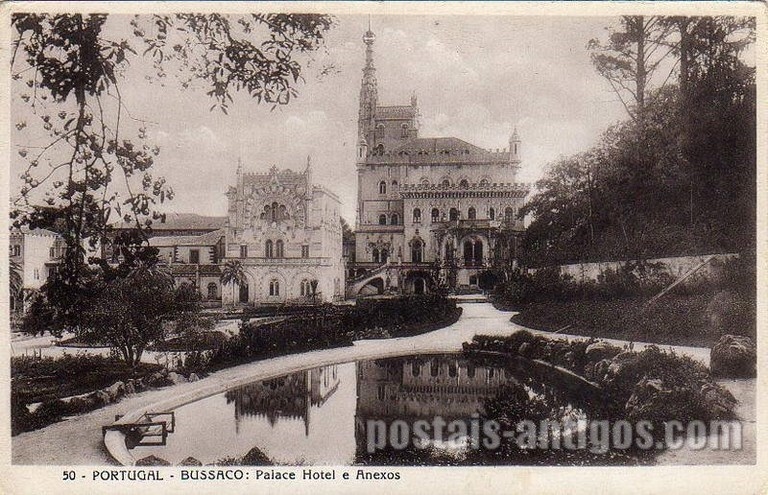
{"x": 233, "y": 273}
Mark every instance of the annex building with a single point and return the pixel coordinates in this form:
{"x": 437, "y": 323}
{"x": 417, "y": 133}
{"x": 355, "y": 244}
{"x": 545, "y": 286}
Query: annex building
{"x": 431, "y": 211}
{"x": 286, "y": 233}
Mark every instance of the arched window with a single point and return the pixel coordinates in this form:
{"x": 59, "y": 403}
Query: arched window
{"x": 449, "y": 251}
{"x": 434, "y": 368}
{"x": 463, "y": 183}
{"x": 424, "y": 181}
{"x": 452, "y": 370}
{"x": 213, "y": 291}
{"x": 471, "y": 213}
{"x": 416, "y": 215}
{"x": 416, "y": 248}
{"x": 394, "y": 219}
{"x": 382, "y": 219}
{"x": 268, "y": 249}
{"x": 404, "y": 131}
{"x": 492, "y": 214}
{"x": 509, "y": 213}
{"x": 415, "y": 369}
{"x": 382, "y": 187}
{"x": 274, "y": 287}
{"x": 453, "y": 214}
{"x": 273, "y": 212}
{"x": 384, "y": 255}
{"x": 470, "y": 370}
{"x": 484, "y": 182}
{"x": 380, "y": 149}
{"x": 305, "y": 289}
{"x": 435, "y": 215}
{"x": 445, "y": 183}
{"x": 394, "y": 186}
{"x": 375, "y": 255}
{"x": 279, "y": 251}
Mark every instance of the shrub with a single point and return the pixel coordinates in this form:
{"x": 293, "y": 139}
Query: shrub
{"x": 325, "y": 326}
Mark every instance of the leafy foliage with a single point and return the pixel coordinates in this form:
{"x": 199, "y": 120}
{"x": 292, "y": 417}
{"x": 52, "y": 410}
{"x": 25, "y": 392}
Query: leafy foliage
{"x": 93, "y": 165}
{"x": 681, "y": 179}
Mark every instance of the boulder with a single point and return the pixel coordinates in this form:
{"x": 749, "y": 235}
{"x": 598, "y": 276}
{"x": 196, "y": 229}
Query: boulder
{"x": 190, "y": 461}
{"x": 600, "y": 350}
{"x": 734, "y": 356}
{"x": 193, "y": 377}
{"x": 116, "y": 390}
{"x": 102, "y": 397}
{"x": 130, "y": 387}
{"x": 718, "y": 400}
{"x": 255, "y": 457}
{"x": 156, "y": 379}
{"x": 152, "y": 460}
{"x": 176, "y": 378}
{"x": 650, "y": 400}
{"x": 597, "y": 371}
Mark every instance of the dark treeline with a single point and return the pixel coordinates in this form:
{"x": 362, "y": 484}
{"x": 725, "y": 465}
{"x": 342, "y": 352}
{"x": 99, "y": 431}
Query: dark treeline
{"x": 676, "y": 177}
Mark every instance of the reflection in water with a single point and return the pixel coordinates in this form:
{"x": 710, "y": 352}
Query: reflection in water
{"x": 320, "y": 416}
{"x": 291, "y": 396}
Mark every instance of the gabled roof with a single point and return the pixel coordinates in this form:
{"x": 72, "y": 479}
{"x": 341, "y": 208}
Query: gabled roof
{"x": 208, "y": 239}
{"x": 27, "y": 231}
{"x": 396, "y": 112}
{"x": 434, "y": 145}
{"x": 183, "y": 221}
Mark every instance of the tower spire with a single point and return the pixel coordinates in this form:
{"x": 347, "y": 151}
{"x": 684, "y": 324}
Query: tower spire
{"x": 368, "y": 90}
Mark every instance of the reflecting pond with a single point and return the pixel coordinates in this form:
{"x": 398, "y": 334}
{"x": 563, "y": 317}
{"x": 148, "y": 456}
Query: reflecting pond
{"x": 331, "y": 415}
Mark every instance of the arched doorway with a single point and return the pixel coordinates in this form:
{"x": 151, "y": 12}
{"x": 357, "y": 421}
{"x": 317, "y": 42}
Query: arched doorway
{"x": 243, "y": 296}
{"x": 419, "y": 286}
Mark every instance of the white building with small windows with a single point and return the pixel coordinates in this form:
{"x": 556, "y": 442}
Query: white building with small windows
{"x": 286, "y": 232}
{"x": 430, "y": 211}
{"x": 36, "y": 254}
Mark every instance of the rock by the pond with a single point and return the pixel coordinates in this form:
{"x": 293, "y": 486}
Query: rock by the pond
{"x": 176, "y": 378}
{"x": 193, "y": 377}
{"x": 152, "y": 460}
{"x": 718, "y": 400}
{"x": 102, "y": 397}
{"x": 599, "y": 350}
{"x": 734, "y": 356}
{"x": 649, "y": 400}
{"x": 156, "y": 379}
{"x": 190, "y": 461}
{"x": 597, "y": 371}
{"x": 115, "y": 390}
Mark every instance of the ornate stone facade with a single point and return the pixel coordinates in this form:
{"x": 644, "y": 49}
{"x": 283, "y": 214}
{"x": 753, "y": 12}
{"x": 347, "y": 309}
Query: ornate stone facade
{"x": 286, "y": 232}
{"x": 430, "y": 211}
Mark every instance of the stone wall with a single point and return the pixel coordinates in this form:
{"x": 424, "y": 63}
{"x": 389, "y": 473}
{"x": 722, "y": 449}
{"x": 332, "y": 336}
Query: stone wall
{"x": 674, "y": 266}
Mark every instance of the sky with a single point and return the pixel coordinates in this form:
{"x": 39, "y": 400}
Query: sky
{"x": 476, "y": 78}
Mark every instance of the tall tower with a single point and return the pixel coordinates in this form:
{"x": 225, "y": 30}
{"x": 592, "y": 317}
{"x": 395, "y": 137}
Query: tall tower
{"x": 514, "y": 147}
{"x": 368, "y": 91}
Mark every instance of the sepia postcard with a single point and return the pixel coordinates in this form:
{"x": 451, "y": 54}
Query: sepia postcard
{"x": 383, "y": 247}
